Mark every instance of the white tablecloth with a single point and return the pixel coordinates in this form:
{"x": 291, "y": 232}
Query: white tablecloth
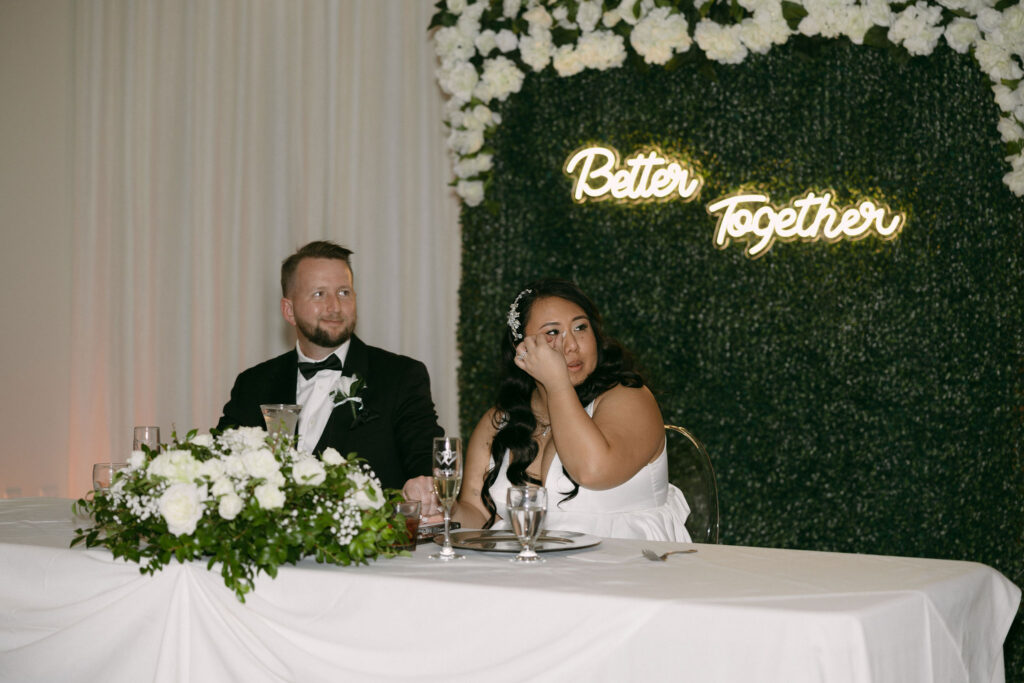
{"x": 725, "y": 613}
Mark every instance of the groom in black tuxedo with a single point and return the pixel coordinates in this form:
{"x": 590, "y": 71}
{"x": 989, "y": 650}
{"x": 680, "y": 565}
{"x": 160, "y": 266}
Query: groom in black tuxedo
{"x": 355, "y": 397}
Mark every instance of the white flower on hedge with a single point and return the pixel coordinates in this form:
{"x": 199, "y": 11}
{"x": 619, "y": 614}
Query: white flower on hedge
{"x": 331, "y": 456}
{"x": 465, "y": 142}
{"x": 720, "y": 43}
{"x": 1009, "y": 129}
{"x": 538, "y": 18}
{"x": 455, "y": 6}
{"x": 471, "y": 191}
{"x": 308, "y": 471}
{"x": 269, "y": 497}
{"x": 659, "y": 35}
{"x": 764, "y": 30}
{"x": 567, "y": 61}
{"x": 996, "y": 61}
{"x": 469, "y": 167}
{"x": 506, "y": 40}
{"x": 501, "y": 77}
{"x": 1008, "y": 99}
{"x": 136, "y": 460}
{"x": 989, "y": 20}
{"x": 181, "y": 506}
{"x": 826, "y": 18}
{"x": 469, "y": 23}
{"x": 458, "y": 79}
{"x": 877, "y": 12}
{"x": 486, "y": 42}
{"x": 175, "y": 465}
{"x": 452, "y": 45}
{"x": 961, "y": 34}
{"x": 510, "y": 8}
{"x": 916, "y": 28}
{"x": 589, "y": 15}
{"x": 601, "y": 50}
{"x": 536, "y": 49}
{"x": 229, "y": 506}
{"x": 560, "y": 15}
{"x": 1015, "y": 180}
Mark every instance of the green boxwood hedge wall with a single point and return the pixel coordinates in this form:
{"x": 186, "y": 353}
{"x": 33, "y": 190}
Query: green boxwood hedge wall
{"x": 858, "y": 397}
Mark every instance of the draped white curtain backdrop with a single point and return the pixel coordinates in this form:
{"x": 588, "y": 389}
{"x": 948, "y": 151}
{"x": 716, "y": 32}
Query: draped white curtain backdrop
{"x": 210, "y": 140}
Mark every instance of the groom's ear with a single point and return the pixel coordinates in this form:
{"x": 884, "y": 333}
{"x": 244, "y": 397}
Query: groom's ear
{"x": 287, "y": 311}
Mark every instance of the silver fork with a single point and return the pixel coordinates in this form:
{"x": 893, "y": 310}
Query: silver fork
{"x": 651, "y": 555}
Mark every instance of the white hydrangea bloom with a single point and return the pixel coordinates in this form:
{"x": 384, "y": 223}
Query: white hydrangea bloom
{"x": 1009, "y": 129}
{"x": 452, "y": 45}
{"x": 589, "y": 15}
{"x": 916, "y": 28}
{"x": 1015, "y": 180}
{"x": 659, "y": 35}
{"x": 465, "y": 142}
{"x": 1008, "y": 99}
{"x": 566, "y": 61}
{"x": 469, "y": 167}
{"x": 765, "y": 29}
{"x": 538, "y": 18}
{"x": 720, "y": 43}
{"x": 471, "y": 191}
{"x": 486, "y": 41}
{"x": 601, "y": 50}
{"x": 510, "y": 8}
{"x": 506, "y": 40}
{"x": 458, "y": 80}
{"x": 996, "y": 61}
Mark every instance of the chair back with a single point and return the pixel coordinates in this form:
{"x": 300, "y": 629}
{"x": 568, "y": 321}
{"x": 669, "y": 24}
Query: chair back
{"x": 693, "y": 473}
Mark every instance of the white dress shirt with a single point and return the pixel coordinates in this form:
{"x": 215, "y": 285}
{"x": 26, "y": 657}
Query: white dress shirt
{"x": 314, "y": 395}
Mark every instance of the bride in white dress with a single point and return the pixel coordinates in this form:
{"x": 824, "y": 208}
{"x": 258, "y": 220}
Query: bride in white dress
{"x": 571, "y": 415}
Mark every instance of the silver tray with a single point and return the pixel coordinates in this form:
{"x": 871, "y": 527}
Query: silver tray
{"x": 504, "y": 541}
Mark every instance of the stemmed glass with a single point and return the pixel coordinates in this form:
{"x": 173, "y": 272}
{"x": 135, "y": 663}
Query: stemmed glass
{"x": 527, "y": 506}
{"x": 281, "y": 418}
{"x": 447, "y": 482}
{"x": 148, "y": 437}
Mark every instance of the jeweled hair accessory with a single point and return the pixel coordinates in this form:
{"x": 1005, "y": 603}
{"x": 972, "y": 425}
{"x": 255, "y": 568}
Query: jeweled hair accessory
{"x": 513, "y": 315}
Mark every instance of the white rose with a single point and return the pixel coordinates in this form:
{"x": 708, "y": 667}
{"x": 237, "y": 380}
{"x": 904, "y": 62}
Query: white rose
{"x": 995, "y": 61}
{"x": 588, "y": 15}
{"x": 500, "y": 78}
{"x": 175, "y": 465}
{"x": 877, "y": 12}
{"x": 486, "y": 42}
{"x": 458, "y": 79}
{"x": 567, "y": 61}
{"x": 370, "y": 496}
{"x": 761, "y": 32}
{"x": 474, "y": 166}
{"x": 660, "y": 34}
{"x": 1007, "y": 99}
{"x": 234, "y": 467}
{"x": 510, "y": 8}
{"x": 1015, "y": 181}
{"x": 961, "y": 34}
{"x": 222, "y": 486}
{"x": 243, "y": 438}
{"x": 204, "y": 440}
{"x": 465, "y": 142}
{"x": 331, "y": 456}
{"x": 506, "y": 40}
{"x": 720, "y": 43}
{"x": 1009, "y": 129}
{"x": 136, "y": 460}
{"x": 308, "y": 471}
{"x": 989, "y": 20}
{"x": 471, "y": 191}
{"x": 916, "y": 28}
{"x": 537, "y": 17}
{"x": 260, "y": 464}
{"x": 181, "y": 507}
{"x": 601, "y": 50}
{"x": 536, "y": 50}
{"x": 230, "y": 505}
{"x": 455, "y": 6}
{"x": 561, "y": 14}
{"x": 212, "y": 469}
{"x": 269, "y": 497}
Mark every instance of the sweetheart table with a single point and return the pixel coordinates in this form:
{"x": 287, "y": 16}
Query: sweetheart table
{"x": 605, "y": 613}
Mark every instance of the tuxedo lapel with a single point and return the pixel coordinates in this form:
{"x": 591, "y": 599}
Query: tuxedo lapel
{"x": 340, "y": 421}
{"x": 284, "y": 381}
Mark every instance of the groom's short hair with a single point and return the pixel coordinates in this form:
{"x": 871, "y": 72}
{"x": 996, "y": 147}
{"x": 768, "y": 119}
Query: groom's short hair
{"x": 317, "y": 249}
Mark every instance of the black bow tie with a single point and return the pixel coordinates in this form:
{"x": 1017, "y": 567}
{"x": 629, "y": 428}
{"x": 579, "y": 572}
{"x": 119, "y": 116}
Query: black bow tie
{"x": 332, "y": 362}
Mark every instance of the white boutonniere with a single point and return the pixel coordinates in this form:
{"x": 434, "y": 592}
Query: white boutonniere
{"x": 348, "y": 391}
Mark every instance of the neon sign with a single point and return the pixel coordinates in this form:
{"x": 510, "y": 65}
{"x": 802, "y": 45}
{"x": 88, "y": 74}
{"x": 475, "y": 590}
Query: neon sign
{"x": 809, "y": 218}
{"x": 645, "y": 176}
{"x": 648, "y": 176}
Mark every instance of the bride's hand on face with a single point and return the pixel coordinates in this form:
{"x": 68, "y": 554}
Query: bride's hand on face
{"x": 541, "y": 356}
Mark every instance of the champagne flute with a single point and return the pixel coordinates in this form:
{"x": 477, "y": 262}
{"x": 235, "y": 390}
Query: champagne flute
{"x": 527, "y": 506}
{"x": 447, "y": 482}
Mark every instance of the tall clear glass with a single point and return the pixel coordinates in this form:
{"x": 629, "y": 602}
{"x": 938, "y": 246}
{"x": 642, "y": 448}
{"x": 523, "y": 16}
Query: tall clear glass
{"x": 148, "y": 437}
{"x": 447, "y": 482}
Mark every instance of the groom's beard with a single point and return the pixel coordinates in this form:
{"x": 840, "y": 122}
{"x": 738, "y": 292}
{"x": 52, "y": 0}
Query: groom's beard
{"x": 321, "y": 337}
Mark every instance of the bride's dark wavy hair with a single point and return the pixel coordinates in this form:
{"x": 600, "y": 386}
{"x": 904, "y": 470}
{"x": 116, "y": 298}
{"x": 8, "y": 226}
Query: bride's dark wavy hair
{"x": 513, "y": 416}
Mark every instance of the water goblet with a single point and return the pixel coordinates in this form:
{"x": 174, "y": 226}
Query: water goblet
{"x": 146, "y": 437}
{"x": 103, "y": 474}
{"x": 447, "y": 482}
{"x": 527, "y": 506}
{"x": 281, "y": 418}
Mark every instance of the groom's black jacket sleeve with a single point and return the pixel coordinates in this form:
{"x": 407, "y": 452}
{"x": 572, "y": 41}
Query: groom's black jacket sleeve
{"x": 394, "y": 432}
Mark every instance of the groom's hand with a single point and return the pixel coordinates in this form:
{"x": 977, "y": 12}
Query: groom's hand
{"x": 422, "y": 489}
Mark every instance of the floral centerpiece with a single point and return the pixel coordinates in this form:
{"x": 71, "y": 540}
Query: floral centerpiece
{"x": 243, "y": 499}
